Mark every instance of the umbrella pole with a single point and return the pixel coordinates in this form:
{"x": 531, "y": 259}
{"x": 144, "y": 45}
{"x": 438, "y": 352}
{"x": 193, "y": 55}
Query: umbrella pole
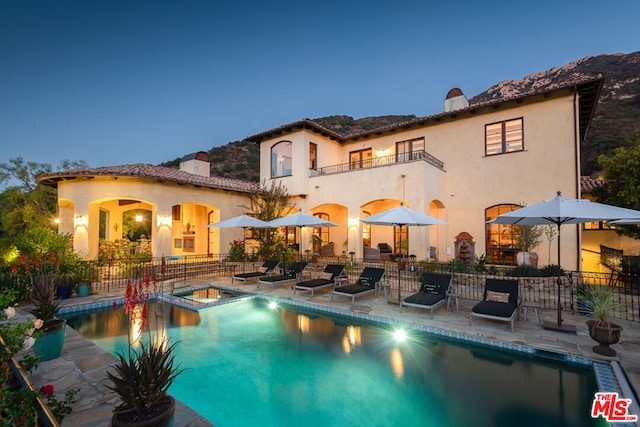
{"x": 559, "y": 326}
{"x": 399, "y": 270}
{"x": 244, "y": 248}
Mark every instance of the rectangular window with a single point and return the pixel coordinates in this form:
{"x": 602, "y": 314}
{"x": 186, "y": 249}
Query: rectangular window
{"x": 360, "y": 159}
{"x": 504, "y": 137}
{"x": 409, "y": 150}
{"x": 313, "y": 156}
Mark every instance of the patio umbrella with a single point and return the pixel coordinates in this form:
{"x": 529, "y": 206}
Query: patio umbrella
{"x": 564, "y": 210}
{"x": 300, "y": 219}
{"x": 401, "y": 216}
{"x": 243, "y": 221}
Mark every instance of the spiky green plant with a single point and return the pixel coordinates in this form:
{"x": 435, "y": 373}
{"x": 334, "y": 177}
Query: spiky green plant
{"x": 142, "y": 377}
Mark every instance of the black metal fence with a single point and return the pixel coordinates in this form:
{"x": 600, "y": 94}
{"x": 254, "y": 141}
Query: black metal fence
{"x": 467, "y": 282}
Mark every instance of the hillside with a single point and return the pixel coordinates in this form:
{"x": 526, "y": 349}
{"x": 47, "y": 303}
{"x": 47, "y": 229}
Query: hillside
{"x": 617, "y": 114}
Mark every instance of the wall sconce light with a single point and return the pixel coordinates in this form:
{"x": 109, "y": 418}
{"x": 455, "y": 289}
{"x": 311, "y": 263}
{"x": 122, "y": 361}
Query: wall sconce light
{"x": 80, "y": 221}
{"x": 353, "y": 221}
{"x": 164, "y": 220}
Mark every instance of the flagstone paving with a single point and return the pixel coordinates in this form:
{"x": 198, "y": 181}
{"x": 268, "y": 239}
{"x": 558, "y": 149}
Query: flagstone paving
{"x": 83, "y": 365}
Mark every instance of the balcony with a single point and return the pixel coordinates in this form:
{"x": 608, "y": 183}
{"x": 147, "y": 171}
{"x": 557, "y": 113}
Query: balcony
{"x": 414, "y": 156}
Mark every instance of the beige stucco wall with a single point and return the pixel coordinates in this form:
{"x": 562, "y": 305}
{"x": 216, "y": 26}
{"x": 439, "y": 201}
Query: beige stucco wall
{"x": 80, "y": 202}
{"x": 470, "y": 183}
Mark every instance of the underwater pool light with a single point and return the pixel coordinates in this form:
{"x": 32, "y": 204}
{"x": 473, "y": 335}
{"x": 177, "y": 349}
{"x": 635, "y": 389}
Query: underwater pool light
{"x": 400, "y": 335}
{"x": 273, "y": 305}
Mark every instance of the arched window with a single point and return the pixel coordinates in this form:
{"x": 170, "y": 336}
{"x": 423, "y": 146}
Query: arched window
{"x": 501, "y": 243}
{"x": 281, "y": 159}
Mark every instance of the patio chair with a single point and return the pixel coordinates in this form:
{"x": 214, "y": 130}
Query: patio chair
{"x": 434, "y": 290}
{"x": 291, "y": 274}
{"x": 385, "y": 251}
{"x": 367, "y": 283}
{"x": 267, "y": 269}
{"x": 500, "y": 302}
{"x": 326, "y": 280}
{"x": 371, "y": 254}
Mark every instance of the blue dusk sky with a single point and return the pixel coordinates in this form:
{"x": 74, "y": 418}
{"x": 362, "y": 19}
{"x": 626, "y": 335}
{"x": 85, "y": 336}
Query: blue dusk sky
{"x": 114, "y": 82}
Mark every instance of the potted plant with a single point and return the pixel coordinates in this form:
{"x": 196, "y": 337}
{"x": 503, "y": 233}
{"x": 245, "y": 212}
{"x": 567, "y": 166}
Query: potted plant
{"x": 64, "y": 284}
{"x": 142, "y": 376}
{"x": 48, "y": 345}
{"x": 41, "y": 273}
{"x": 602, "y": 329}
{"x": 527, "y": 238}
{"x": 86, "y": 276}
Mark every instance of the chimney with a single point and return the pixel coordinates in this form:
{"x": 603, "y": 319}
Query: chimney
{"x": 196, "y": 163}
{"x": 455, "y": 100}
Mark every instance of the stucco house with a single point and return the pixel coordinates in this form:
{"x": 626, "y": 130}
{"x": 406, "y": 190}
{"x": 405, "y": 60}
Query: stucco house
{"x": 464, "y": 166}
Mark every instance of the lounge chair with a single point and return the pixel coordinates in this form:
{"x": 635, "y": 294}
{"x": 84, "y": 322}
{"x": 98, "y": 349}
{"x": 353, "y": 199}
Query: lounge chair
{"x": 326, "y": 280}
{"x": 291, "y": 274}
{"x": 500, "y": 302}
{"x": 367, "y": 283}
{"x": 267, "y": 269}
{"x": 434, "y": 290}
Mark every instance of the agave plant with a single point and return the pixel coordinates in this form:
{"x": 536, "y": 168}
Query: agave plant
{"x": 600, "y": 299}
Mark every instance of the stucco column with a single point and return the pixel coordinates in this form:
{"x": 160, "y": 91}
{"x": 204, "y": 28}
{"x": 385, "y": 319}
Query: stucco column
{"x": 354, "y": 232}
{"x": 161, "y": 226}
{"x": 81, "y": 230}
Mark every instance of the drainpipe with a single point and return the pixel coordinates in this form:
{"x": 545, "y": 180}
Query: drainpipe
{"x": 576, "y": 147}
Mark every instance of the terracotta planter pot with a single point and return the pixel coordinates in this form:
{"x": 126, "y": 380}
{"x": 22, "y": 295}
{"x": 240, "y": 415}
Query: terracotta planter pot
{"x": 605, "y": 335}
{"x": 163, "y": 419}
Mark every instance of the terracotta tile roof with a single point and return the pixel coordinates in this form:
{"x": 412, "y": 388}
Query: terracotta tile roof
{"x": 158, "y": 173}
{"x": 587, "y": 183}
{"x": 421, "y": 121}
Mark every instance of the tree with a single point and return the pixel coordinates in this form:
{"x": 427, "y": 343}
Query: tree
{"x": 268, "y": 204}
{"x": 24, "y": 202}
{"x": 622, "y": 181}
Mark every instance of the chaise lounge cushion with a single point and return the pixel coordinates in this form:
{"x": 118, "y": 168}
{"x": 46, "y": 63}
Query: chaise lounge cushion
{"x": 366, "y": 284}
{"x": 493, "y": 308}
{"x": 432, "y": 293}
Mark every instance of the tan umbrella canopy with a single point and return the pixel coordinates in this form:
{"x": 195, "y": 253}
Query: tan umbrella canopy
{"x": 565, "y": 210}
{"x": 401, "y": 216}
{"x": 300, "y": 219}
{"x": 244, "y": 221}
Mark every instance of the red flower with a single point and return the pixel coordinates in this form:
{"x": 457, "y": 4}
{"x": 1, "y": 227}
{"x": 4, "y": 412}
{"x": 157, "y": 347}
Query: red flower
{"x": 47, "y": 390}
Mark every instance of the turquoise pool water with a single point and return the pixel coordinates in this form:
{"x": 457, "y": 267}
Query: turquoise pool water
{"x": 249, "y": 364}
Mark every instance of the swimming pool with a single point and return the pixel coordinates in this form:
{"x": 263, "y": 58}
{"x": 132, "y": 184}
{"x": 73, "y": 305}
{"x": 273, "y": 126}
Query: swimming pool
{"x": 250, "y": 364}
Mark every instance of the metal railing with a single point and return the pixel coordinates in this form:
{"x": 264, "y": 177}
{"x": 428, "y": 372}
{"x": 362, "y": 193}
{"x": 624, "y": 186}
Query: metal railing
{"x": 467, "y": 283}
{"x": 393, "y": 159}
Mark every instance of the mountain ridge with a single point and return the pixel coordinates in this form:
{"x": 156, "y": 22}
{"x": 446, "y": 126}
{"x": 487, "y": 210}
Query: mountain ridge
{"x": 616, "y": 116}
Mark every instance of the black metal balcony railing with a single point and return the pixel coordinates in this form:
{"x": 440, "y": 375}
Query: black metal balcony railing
{"x": 392, "y": 159}
{"x": 467, "y": 283}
